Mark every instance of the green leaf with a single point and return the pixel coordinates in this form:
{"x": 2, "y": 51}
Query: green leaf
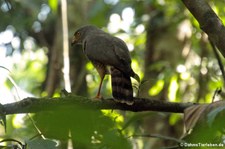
{"x": 40, "y": 143}
{"x": 212, "y": 115}
{"x": 53, "y": 5}
{"x": 156, "y": 88}
{"x": 89, "y": 128}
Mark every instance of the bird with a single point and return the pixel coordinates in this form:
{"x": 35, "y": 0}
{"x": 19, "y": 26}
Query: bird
{"x": 109, "y": 55}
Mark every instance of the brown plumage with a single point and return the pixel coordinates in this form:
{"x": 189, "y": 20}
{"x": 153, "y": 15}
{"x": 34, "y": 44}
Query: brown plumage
{"x": 104, "y": 50}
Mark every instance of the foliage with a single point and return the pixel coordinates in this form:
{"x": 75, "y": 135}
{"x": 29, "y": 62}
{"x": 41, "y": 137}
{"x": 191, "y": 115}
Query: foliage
{"x": 87, "y": 128}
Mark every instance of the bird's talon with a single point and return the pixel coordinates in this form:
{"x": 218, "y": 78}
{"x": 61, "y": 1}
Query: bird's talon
{"x": 98, "y": 98}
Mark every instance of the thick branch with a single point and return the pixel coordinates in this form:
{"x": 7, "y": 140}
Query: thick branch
{"x": 209, "y": 22}
{"x": 32, "y": 105}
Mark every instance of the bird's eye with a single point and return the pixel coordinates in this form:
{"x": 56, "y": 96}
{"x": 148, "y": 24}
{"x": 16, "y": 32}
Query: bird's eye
{"x": 78, "y": 34}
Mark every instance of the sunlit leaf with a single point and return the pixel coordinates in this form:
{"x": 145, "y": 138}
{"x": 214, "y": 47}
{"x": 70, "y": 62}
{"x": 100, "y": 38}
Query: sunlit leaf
{"x": 173, "y": 88}
{"x": 174, "y": 118}
{"x": 156, "y": 88}
{"x": 53, "y": 4}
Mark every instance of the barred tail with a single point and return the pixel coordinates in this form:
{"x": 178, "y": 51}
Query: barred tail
{"x": 121, "y": 87}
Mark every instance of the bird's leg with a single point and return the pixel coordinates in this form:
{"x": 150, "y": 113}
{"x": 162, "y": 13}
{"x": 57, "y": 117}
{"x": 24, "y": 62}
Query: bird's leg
{"x": 102, "y": 72}
{"x": 99, "y": 89}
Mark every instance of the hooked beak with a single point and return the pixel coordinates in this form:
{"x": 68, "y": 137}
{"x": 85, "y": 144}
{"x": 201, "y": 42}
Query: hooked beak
{"x": 74, "y": 41}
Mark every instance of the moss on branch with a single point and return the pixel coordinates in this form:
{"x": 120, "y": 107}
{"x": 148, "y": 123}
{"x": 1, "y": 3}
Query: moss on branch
{"x": 33, "y": 105}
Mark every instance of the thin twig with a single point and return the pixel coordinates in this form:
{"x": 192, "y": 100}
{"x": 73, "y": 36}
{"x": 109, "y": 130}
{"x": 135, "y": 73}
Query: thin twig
{"x": 218, "y": 59}
{"x": 216, "y": 92}
{"x": 159, "y": 136}
{"x": 36, "y": 127}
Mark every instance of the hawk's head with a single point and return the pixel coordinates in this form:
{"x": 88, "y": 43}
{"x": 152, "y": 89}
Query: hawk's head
{"x": 83, "y": 32}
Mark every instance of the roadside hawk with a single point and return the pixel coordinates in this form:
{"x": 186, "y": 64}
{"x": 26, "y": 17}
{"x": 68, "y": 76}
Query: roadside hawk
{"x": 106, "y": 51}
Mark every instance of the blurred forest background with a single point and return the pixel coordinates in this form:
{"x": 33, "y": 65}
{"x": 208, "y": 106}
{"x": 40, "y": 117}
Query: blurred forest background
{"x": 169, "y": 52}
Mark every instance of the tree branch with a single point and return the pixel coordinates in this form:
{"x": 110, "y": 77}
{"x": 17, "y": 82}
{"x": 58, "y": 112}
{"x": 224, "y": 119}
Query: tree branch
{"x": 209, "y": 22}
{"x": 33, "y": 105}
